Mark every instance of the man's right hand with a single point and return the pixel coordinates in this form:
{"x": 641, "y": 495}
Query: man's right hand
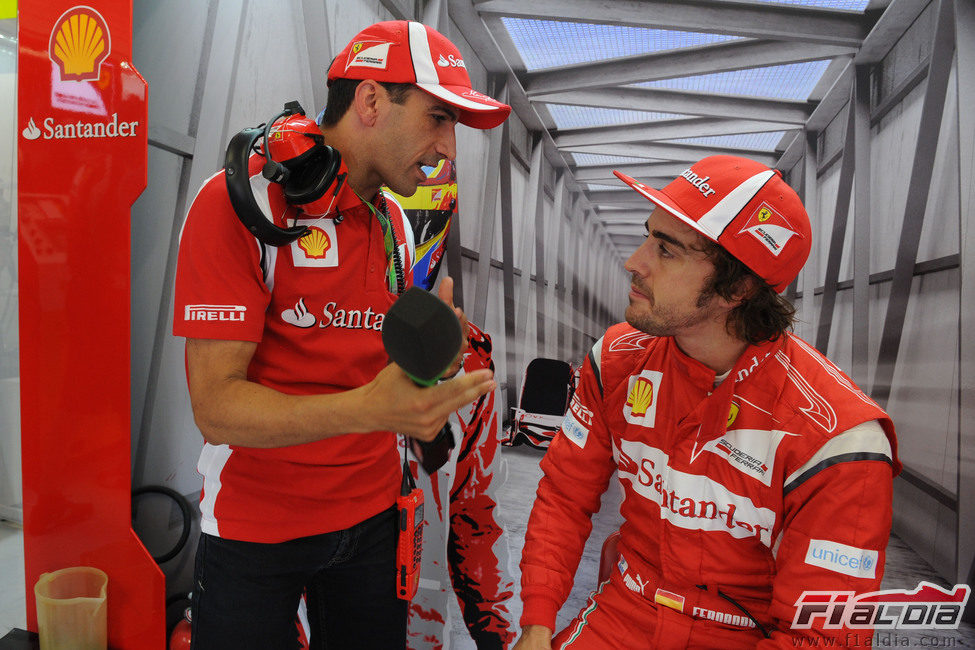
{"x": 231, "y": 409}
{"x": 534, "y": 637}
{"x": 396, "y": 403}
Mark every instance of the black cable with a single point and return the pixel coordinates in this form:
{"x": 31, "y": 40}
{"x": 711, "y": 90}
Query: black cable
{"x": 731, "y": 600}
{"x": 185, "y": 510}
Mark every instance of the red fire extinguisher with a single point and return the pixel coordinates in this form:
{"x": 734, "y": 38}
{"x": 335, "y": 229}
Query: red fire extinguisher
{"x": 180, "y": 638}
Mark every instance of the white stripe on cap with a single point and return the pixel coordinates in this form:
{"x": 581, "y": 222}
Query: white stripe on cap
{"x": 426, "y": 71}
{"x": 455, "y": 99}
{"x": 715, "y": 220}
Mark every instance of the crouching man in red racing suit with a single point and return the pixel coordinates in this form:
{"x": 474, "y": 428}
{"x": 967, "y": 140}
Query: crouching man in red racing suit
{"x": 752, "y": 468}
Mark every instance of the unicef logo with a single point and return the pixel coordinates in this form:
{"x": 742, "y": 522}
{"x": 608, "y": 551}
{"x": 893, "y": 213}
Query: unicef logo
{"x": 866, "y": 562}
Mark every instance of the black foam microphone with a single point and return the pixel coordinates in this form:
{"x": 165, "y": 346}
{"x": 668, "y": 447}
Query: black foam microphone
{"x": 422, "y": 335}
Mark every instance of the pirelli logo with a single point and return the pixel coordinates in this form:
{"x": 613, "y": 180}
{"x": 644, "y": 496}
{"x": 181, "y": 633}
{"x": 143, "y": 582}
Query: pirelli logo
{"x": 214, "y": 313}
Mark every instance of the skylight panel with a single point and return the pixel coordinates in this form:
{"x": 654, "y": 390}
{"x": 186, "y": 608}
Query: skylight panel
{"x": 594, "y": 159}
{"x": 576, "y": 117}
{"x": 548, "y": 43}
{"x": 845, "y": 5}
{"x": 765, "y": 141}
{"x": 790, "y": 81}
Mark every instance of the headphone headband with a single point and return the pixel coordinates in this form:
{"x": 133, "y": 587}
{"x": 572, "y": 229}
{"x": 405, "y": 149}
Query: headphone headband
{"x": 305, "y": 178}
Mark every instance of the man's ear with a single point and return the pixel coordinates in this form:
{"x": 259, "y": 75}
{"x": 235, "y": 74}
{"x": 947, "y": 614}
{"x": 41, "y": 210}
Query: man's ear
{"x": 366, "y": 101}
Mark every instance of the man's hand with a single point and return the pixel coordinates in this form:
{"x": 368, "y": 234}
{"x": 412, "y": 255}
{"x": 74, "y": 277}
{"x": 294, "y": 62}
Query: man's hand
{"x": 393, "y": 402}
{"x": 534, "y": 637}
{"x": 446, "y": 293}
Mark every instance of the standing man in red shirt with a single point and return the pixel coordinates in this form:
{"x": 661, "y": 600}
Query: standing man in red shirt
{"x": 287, "y": 373}
{"x": 752, "y": 468}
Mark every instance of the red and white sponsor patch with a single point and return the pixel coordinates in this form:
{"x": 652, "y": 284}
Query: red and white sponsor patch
{"x": 369, "y": 54}
{"x": 770, "y": 228}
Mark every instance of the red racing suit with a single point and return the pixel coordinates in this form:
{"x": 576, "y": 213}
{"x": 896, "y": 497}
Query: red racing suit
{"x": 776, "y": 481}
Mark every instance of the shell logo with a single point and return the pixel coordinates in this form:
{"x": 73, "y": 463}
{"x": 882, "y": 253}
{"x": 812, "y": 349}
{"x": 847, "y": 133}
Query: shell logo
{"x": 640, "y": 397}
{"x": 80, "y": 42}
{"x": 315, "y": 244}
{"x": 732, "y": 414}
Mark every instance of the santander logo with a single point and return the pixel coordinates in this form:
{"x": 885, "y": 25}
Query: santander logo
{"x": 451, "y": 61}
{"x": 31, "y": 132}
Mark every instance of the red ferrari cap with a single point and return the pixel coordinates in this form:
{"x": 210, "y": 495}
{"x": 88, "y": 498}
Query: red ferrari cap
{"x": 400, "y": 51}
{"x": 743, "y": 206}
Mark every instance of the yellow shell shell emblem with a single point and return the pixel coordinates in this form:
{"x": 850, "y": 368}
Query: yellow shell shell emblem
{"x": 80, "y": 42}
{"x": 732, "y": 414}
{"x": 315, "y": 244}
{"x": 640, "y": 397}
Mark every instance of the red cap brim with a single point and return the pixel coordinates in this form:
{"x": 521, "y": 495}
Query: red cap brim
{"x": 476, "y": 109}
{"x": 661, "y": 200}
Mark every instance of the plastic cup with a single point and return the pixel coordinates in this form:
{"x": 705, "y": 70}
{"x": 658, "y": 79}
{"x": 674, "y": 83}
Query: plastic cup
{"x": 72, "y": 609}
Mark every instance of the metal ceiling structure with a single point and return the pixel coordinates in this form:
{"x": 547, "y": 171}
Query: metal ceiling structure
{"x": 647, "y": 86}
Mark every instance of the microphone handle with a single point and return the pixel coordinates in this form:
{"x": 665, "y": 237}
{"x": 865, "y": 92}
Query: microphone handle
{"x": 434, "y": 454}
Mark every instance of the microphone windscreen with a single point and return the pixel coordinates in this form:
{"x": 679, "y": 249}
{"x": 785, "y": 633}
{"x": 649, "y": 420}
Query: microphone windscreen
{"x": 422, "y": 335}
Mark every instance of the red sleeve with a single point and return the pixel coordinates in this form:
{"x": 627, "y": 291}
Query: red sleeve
{"x": 577, "y": 468}
{"x": 835, "y": 531}
{"x": 219, "y": 290}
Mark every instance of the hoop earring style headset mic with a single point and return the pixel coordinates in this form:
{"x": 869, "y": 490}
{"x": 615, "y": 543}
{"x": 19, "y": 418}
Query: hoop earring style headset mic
{"x": 306, "y": 176}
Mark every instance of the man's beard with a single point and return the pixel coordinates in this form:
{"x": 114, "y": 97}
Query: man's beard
{"x": 667, "y": 322}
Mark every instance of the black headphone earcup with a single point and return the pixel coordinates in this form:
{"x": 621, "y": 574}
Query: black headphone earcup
{"x": 312, "y": 176}
{"x": 241, "y": 195}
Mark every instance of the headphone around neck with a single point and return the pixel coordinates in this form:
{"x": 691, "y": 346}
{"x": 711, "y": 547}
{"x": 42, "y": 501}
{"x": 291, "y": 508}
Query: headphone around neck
{"x": 307, "y": 169}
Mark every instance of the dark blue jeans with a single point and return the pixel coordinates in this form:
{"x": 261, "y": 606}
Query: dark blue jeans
{"x": 246, "y": 594}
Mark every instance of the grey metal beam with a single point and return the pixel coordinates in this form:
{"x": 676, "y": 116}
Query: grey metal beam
{"x": 434, "y": 13}
{"x": 640, "y": 171}
{"x": 488, "y": 218}
{"x": 575, "y": 239}
{"x": 965, "y": 34}
{"x": 172, "y": 141}
{"x": 684, "y": 102}
{"x": 932, "y": 110}
{"x": 691, "y": 127}
{"x": 630, "y": 230}
{"x": 558, "y": 289}
{"x": 627, "y": 198}
{"x": 314, "y": 20}
{"x": 793, "y": 153}
{"x": 652, "y": 181}
{"x": 861, "y": 228}
{"x": 400, "y": 9}
{"x": 507, "y": 271}
{"x": 836, "y": 67}
{"x": 531, "y": 204}
{"x": 838, "y": 237}
{"x": 541, "y": 272}
{"x": 731, "y": 55}
{"x": 810, "y": 191}
{"x": 670, "y": 151}
{"x": 897, "y": 17}
{"x": 739, "y": 19}
{"x": 833, "y": 102}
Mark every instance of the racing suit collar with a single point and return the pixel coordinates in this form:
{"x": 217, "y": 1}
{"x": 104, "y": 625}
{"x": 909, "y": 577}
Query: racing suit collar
{"x": 712, "y": 413}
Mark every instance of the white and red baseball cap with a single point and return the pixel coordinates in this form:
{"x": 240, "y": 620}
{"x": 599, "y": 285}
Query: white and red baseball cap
{"x": 400, "y": 51}
{"x": 743, "y": 206}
